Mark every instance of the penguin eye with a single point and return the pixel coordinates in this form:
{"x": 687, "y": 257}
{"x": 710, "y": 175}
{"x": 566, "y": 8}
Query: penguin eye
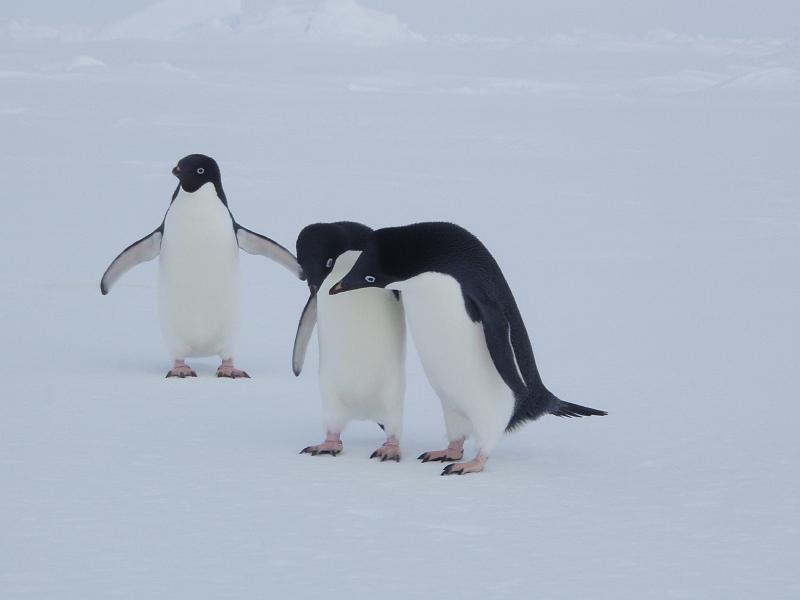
{"x": 329, "y": 264}
{"x": 200, "y": 170}
{"x": 369, "y": 279}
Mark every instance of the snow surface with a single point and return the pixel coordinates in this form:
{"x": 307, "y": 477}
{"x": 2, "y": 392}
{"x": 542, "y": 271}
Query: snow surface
{"x": 634, "y": 171}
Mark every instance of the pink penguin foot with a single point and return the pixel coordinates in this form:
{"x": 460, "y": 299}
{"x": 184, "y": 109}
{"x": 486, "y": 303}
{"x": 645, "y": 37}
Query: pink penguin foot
{"x": 181, "y": 370}
{"x": 332, "y": 445}
{"x": 226, "y": 369}
{"x": 473, "y": 466}
{"x": 454, "y": 451}
{"x": 389, "y": 451}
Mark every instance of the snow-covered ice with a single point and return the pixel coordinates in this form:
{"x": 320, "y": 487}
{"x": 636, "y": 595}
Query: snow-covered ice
{"x": 636, "y": 177}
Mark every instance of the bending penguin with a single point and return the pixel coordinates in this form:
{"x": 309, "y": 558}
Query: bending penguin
{"x": 198, "y": 246}
{"x": 361, "y": 340}
{"x": 468, "y": 331}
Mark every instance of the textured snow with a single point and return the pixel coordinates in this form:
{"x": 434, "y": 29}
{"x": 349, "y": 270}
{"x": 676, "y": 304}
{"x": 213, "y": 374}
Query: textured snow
{"x": 635, "y": 177}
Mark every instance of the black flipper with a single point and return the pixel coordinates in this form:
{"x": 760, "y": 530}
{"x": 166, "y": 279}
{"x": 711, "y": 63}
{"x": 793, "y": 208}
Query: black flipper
{"x": 255, "y": 243}
{"x": 140, "y": 251}
{"x": 497, "y": 331}
{"x": 308, "y": 319}
{"x": 509, "y": 347}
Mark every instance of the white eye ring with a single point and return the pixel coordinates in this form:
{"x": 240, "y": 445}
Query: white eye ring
{"x": 200, "y": 171}
{"x": 369, "y": 279}
{"x": 329, "y": 264}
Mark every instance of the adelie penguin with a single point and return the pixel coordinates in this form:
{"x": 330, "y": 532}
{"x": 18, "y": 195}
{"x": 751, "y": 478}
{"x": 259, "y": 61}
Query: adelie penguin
{"x": 198, "y": 245}
{"x": 468, "y": 331}
{"x": 361, "y": 340}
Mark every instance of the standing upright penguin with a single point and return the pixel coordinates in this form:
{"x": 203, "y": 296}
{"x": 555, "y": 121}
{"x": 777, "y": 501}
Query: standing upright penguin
{"x": 361, "y": 340}
{"x": 468, "y": 331}
{"x": 198, "y": 284}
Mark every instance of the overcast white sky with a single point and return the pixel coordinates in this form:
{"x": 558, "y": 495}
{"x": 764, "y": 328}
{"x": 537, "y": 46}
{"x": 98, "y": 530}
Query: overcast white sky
{"x": 743, "y": 18}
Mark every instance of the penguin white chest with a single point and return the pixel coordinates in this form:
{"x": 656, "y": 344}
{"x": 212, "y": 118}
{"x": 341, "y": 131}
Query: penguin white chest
{"x": 198, "y": 283}
{"x": 362, "y": 346}
{"x": 451, "y": 346}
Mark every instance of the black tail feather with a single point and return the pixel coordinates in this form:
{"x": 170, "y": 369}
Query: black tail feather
{"x": 568, "y": 409}
{"x": 544, "y": 402}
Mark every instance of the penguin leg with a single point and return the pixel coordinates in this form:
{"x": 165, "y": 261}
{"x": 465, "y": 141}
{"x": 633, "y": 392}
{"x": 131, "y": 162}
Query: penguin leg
{"x": 473, "y": 466}
{"x": 458, "y": 428}
{"x": 389, "y": 451}
{"x": 454, "y": 451}
{"x": 489, "y": 421}
{"x": 332, "y": 445}
{"x": 181, "y": 370}
{"x": 334, "y": 420}
{"x": 391, "y": 420}
{"x": 226, "y": 369}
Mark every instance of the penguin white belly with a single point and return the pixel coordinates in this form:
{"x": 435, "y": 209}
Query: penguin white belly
{"x": 198, "y": 283}
{"x": 455, "y": 356}
{"x": 361, "y": 351}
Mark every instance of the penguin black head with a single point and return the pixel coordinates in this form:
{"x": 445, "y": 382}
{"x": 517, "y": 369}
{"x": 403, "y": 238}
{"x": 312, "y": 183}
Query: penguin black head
{"x": 320, "y": 244}
{"x": 399, "y": 253}
{"x": 367, "y": 272}
{"x": 195, "y": 170}
{"x": 374, "y": 268}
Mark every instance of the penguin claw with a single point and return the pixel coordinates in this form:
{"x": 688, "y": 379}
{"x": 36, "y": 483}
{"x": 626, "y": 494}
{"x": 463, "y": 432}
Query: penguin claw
{"x": 390, "y": 451}
{"x": 324, "y": 448}
{"x": 181, "y": 372}
{"x": 452, "y": 470}
{"x": 440, "y": 456}
{"x": 473, "y": 466}
{"x": 234, "y": 375}
{"x": 226, "y": 369}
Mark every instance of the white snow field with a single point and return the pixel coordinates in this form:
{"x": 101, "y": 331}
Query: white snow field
{"x": 634, "y": 170}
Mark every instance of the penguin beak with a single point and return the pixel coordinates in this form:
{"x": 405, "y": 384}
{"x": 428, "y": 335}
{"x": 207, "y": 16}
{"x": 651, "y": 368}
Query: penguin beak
{"x": 354, "y": 283}
{"x": 176, "y": 170}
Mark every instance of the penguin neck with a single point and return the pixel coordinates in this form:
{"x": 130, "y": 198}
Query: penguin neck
{"x": 202, "y": 204}
{"x": 344, "y": 262}
{"x": 415, "y": 283}
{"x": 206, "y": 194}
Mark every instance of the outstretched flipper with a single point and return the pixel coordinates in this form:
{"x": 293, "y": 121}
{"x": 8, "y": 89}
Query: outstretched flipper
{"x": 304, "y": 329}
{"x": 141, "y": 251}
{"x": 255, "y": 243}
